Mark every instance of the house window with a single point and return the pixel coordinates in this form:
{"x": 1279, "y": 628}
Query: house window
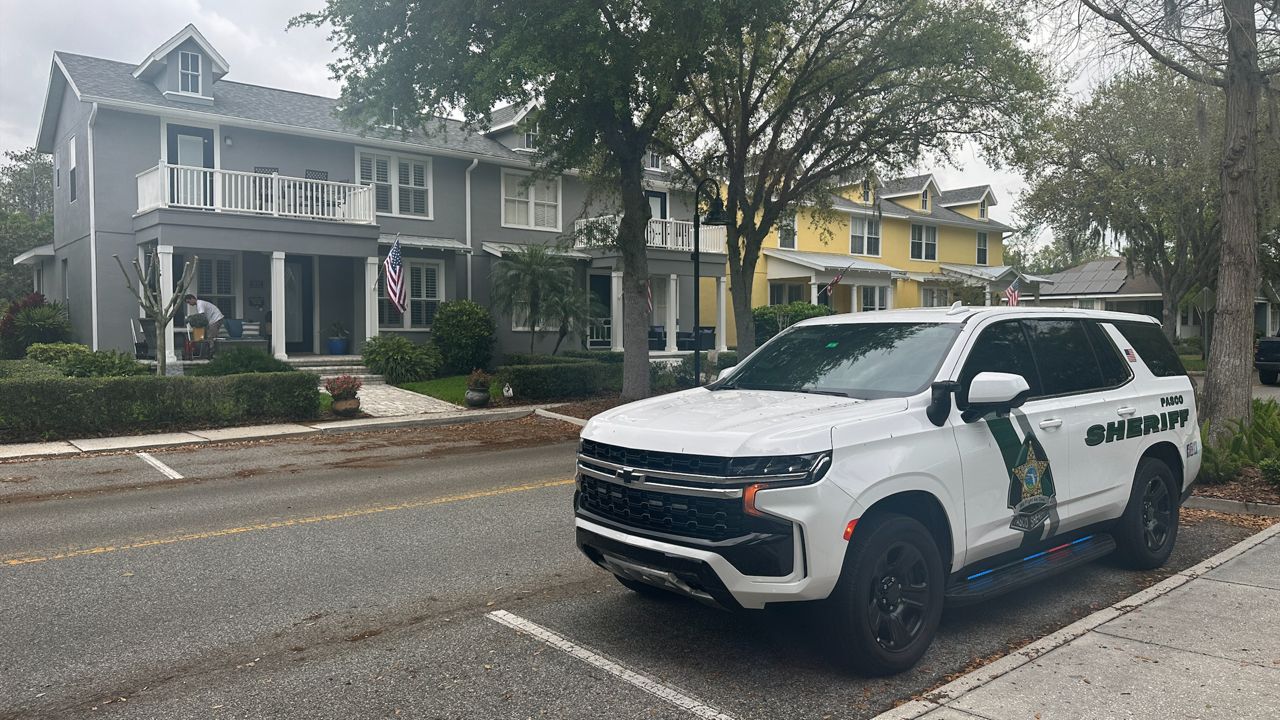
{"x": 216, "y": 282}
{"x": 787, "y": 232}
{"x": 1088, "y": 304}
{"x": 71, "y": 168}
{"x": 924, "y": 200}
{"x": 655, "y": 160}
{"x": 934, "y": 297}
{"x": 864, "y": 236}
{"x": 189, "y": 72}
{"x": 875, "y": 297}
{"x": 401, "y": 184}
{"x": 982, "y": 248}
{"x": 924, "y": 242}
{"x": 423, "y": 293}
{"x": 982, "y": 209}
{"x": 530, "y": 203}
{"x": 531, "y": 139}
{"x": 785, "y": 293}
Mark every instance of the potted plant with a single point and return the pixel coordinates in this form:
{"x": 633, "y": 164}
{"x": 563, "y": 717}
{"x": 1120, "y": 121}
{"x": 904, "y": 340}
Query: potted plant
{"x": 339, "y": 339}
{"x": 478, "y": 389}
{"x": 343, "y": 388}
{"x": 197, "y": 322}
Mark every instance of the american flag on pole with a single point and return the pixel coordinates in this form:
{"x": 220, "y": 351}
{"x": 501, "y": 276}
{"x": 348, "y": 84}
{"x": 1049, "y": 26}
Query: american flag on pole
{"x": 394, "y": 266}
{"x": 1011, "y": 293}
{"x": 648, "y": 295}
{"x": 836, "y": 280}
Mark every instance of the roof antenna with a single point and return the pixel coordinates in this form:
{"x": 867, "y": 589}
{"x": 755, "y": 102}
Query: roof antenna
{"x": 957, "y": 307}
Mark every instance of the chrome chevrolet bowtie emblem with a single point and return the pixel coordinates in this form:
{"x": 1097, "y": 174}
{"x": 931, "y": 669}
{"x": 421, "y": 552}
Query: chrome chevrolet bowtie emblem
{"x": 629, "y": 475}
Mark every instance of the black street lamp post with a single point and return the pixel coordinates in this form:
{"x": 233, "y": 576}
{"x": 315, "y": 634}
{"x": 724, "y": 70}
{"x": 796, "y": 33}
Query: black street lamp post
{"x": 715, "y": 217}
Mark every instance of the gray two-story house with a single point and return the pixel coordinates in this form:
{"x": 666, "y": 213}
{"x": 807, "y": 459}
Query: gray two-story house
{"x": 292, "y": 213}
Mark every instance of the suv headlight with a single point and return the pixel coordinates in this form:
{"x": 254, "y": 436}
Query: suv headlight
{"x": 791, "y": 470}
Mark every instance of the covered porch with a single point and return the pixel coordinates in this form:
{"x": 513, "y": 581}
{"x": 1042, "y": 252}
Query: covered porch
{"x": 841, "y": 282}
{"x": 993, "y": 279}
{"x": 670, "y": 304}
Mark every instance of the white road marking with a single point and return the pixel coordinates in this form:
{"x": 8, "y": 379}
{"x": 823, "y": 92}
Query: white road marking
{"x": 644, "y": 682}
{"x": 165, "y": 469}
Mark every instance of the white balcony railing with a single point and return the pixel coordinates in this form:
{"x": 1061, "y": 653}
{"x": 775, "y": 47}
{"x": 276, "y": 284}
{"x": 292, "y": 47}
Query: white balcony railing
{"x": 664, "y": 234}
{"x": 197, "y": 188}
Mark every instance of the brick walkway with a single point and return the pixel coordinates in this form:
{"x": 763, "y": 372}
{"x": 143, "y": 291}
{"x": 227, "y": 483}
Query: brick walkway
{"x": 387, "y": 400}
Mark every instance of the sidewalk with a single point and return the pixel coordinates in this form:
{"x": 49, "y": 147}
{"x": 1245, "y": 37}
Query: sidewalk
{"x": 255, "y": 432}
{"x": 1204, "y": 643}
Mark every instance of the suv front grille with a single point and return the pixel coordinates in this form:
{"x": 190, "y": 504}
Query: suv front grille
{"x": 697, "y": 517}
{"x": 656, "y": 460}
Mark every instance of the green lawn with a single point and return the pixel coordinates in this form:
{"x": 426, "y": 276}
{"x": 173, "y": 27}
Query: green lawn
{"x": 1193, "y": 363}
{"x": 450, "y": 389}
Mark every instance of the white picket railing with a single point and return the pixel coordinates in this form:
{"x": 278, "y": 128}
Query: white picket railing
{"x": 664, "y": 234}
{"x": 180, "y": 186}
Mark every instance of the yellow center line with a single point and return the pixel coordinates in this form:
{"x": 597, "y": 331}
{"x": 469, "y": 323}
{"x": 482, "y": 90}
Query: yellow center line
{"x": 292, "y": 522}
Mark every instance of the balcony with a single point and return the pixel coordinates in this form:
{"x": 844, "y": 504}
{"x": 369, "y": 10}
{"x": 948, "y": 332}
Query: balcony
{"x": 246, "y": 193}
{"x": 662, "y": 234}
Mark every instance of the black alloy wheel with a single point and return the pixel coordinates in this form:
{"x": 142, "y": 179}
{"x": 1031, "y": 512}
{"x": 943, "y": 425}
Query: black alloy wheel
{"x": 899, "y": 601}
{"x": 1157, "y": 513}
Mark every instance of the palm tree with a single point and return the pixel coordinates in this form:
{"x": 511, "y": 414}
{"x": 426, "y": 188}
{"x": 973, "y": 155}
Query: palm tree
{"x": 525, "y": 279}
{"x": 571, "y": 312}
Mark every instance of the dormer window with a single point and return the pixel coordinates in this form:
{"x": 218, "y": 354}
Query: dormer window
{"x": 189, "y": 72}
{"x": 655, "y": 160}
{"x": 531, "y": 139}
{"x": 924, "y": 200}
{"x": 982, "y": 209}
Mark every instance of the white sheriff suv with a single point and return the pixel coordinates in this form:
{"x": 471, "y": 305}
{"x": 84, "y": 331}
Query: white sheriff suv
{"x": 887, "y": 463}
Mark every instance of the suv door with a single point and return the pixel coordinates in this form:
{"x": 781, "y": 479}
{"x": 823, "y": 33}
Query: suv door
{"x": 1015, "y": 467}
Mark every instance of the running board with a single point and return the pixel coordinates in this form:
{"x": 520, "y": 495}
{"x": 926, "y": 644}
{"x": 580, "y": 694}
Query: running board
{"x": 998, "y": 580}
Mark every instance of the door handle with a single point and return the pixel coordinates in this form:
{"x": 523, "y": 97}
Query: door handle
{"x": 1126, "y": 411}
{"x": 1051, "y": 423}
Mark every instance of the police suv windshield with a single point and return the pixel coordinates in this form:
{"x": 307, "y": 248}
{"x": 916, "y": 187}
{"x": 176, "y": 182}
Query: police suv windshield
{"x": 867, "y": 361}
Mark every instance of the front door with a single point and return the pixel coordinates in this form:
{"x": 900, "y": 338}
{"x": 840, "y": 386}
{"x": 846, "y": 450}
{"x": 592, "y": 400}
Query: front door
{"x": 657, "y": 204}
{"x": 190, "y": 148}
{"x": 299, "y": 307}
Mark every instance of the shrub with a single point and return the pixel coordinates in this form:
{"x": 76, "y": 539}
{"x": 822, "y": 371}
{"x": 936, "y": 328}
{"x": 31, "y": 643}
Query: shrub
{"x": 479, "y": 381}
{"x": 605, "y": 356}
{"x": 1270, "y": 469}
{"x": 399, "y": 360}
{"x": 239, "y": 361}
{"x": 343, "y": 387}
{"x": 51, "y": 408}
{"x": 79, "y": 361}
{"x": 559, "y": 381}
{"x": 773, "y": 319}
{"x": 32, "y": 320}
{"x": 463, "y": 332}
{"x": 27, "y": 370}
{"x": 1190, "y": 346}
{"x": 527, "y": 359}
{"x": 1243, "y": 445}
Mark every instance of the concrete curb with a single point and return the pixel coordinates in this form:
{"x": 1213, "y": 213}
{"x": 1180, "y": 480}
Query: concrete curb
{"x": 1200, "y": 502}
{"x": 940, "y": 697}
{"x": 563, "y": 418}
{"x": 28, "y": 451}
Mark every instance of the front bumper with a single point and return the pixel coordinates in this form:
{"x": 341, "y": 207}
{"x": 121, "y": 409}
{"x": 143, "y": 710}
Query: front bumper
{"x": 1266, "y": 365}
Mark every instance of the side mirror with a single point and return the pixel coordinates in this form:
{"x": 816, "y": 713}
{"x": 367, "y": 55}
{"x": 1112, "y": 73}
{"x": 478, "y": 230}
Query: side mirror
{"x": 995, "y": 392}
{"x": 725, "y": 372}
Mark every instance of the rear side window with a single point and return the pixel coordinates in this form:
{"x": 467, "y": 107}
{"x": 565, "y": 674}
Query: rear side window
{"x": 1115, "y": 369}
{"x": 1064, "y": 356}
{"x": 1002, "y": 347}
{"x": 1153, "y": 347}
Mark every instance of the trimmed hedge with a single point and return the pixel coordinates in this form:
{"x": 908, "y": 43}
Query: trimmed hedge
{"x": 238, "y": 361}
{"x": 605, "y": 356}
{"x": 560, "y": 380}
{"x": 27, "y": 370}
{"x": 527, "y": 359}
{"x": 75, "y": 360}
{"x": 60, "y": 408}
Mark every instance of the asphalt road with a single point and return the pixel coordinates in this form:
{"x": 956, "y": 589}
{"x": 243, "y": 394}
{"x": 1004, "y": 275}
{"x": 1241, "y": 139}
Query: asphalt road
{"x": 339, "y": 579}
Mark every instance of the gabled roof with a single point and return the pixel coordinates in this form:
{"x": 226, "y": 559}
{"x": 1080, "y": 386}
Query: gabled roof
{"x": 112, "y": 84}
{"x": 966, "y": 196}
{"x": 160, "y": 55}
{"x": 914, "y": 185}
{"x": 939, "y": 215}
{"x": 1104, "y": 276}
{"x": 508, "y": 116}
{"x": 988, "y": 273}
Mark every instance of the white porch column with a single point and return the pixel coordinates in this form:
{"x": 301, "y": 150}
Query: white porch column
{"x": 888, "y": 301}
{"x": 673, "y": 285}
{"x": 370, "y": 297}
{"x": 986, "y": 296}
{"x": 615, "y": 311}
{"x": 277, "y": 306}
{"x": 813, "y": 293}
{"x": 855, "y": 295}
{"x": 722, "y": 324}
{"x": 164, "y": 254}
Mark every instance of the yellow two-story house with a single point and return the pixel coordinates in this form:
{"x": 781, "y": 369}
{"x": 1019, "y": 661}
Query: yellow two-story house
{"x": 907, "y": 243}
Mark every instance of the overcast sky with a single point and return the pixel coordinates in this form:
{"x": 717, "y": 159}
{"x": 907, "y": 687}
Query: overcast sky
{"x": 250, "y": 34}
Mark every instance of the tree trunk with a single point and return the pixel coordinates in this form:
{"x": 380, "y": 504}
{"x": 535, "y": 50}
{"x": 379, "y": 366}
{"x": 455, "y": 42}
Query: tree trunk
{"x": 741, "y": 282}
{"x": 162, "y": 347}
{"x": 635, "y": 274}
{"x": 1229, "y": 384}
{"x": 1169, "y": 315}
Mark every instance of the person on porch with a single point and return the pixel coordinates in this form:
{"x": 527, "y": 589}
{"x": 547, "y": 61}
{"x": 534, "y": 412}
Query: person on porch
{"x": 211, "y": 312}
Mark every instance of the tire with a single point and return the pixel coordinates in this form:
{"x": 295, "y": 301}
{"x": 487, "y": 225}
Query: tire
{"x": 1268, "y": 377}
{"x": 886, "y": 607}
{"x": 645, "y": 589}
{"x": 1147, "y": 531}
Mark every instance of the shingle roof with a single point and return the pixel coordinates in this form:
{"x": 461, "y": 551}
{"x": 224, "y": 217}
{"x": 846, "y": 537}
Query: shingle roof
{"x": 109, "y": 80}
{"x": 831, "y": 261}
{"x": 1104, "y": 276}
{"x": 940, "y": 215}
{"x": 503, "y": 115}
{"x": 966, "y": 196}
{"x": 905, "y": 185}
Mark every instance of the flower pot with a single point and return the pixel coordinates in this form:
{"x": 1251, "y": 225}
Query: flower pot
{"x": 477, "y": 398}
{"x": 346, "y": 407}
{"x": 338, "y": 345}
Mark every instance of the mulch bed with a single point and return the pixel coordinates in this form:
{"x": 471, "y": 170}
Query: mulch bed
{"x": 1247, "y": 487}
{"x": 586, "y": 408}
{"x": 1195, "y": 516}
